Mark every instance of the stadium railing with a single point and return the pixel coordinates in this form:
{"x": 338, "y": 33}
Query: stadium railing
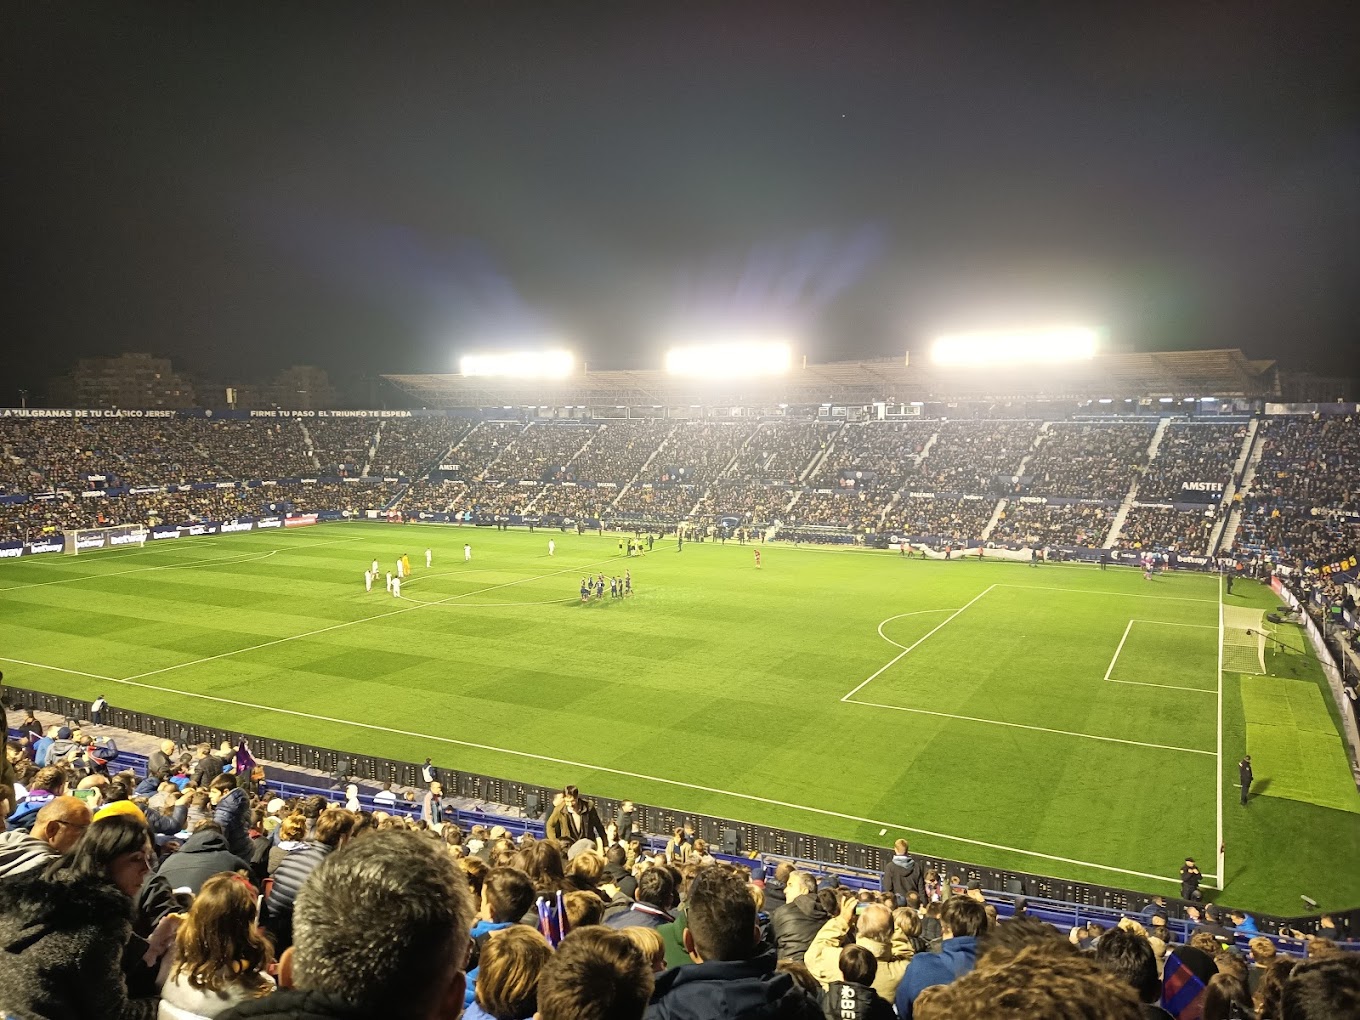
{"x": 823, "y": 854}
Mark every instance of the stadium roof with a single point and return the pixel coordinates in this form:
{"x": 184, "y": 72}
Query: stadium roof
{"x": 1218, "y": 373}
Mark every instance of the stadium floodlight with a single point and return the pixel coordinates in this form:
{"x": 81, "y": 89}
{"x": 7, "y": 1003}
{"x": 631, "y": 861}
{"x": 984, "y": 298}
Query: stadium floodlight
{"x": 553, "y": 364}
{"x": 1015, "y": 346}
{"x": 730, "y": 360}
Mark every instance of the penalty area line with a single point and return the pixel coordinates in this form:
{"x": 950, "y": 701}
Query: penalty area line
{"x": 642, "y": 776}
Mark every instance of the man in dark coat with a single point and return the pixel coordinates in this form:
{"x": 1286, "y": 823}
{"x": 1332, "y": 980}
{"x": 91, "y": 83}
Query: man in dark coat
{"x": 774, "y": 887}
{"x": 162, "y": 759}
{"x": 904, "y": 874}
{"x": 332, "y": 830}
{"x": 730, "y": 977}
{"x": 231, "y": 810}
{"x": 203, "y": 855}
{"x": 207, "y": 766}
{"x": 799, "y": 920}
{"x": 1244, "y": 777}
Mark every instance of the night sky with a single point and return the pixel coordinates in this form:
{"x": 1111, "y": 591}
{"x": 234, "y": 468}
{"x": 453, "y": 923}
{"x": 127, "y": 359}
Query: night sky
{"x": 245, "y": 186}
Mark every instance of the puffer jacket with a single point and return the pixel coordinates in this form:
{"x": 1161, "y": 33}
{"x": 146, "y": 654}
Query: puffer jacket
{"x": 233, "y": 814}
{"x": 288, "y": 881}
{"x": 203, "y": 855}
{"x": 796, "y": 924}
{"x": 61, "y": 947}
{"x": 20, "y": 853}
{"x": 846, "y": 1000}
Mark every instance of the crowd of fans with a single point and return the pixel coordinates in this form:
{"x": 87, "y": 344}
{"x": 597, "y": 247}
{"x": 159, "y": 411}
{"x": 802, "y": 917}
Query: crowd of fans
{"x": 754, "y": 503}
{"x": 1039, "y": 524}
{"x": 975, "y": 457}
{"x": 425, "y": 496}
{"x": 780, "y": 451}
{"x": 193, "y": 893}
{"x": 409, "y": 447}
{"x": 482, "y": 447}
{"x": 951, "y": 520}
{"x": 1091, "y": 461}
{"x": 1191, "y": 452}
{"x": 574, "y": 502}
{"x": 855, "y": 509}
{"x": 543, "y": 453}
{"x": 876, "y": 455}
{"x": 1165, "y": 529}
{"x": 697, "y": 452}
{"x": 620, "y": 448}
{"x": 341, "y": 446}
{"x": 657, "y": 502}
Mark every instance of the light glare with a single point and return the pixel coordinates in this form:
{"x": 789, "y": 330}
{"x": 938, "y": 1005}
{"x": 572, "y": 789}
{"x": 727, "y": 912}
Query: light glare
{"x": 730, "y": 360}
{"x": 1015, "y": 347}
{"x": 519, "y": 364}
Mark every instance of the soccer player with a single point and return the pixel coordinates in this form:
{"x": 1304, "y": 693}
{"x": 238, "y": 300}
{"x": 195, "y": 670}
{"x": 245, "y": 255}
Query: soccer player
{"x": 613, "y": 587}
{"x": 585, "y": 589}
{"x": 620, "y": 545}
{"x": 649, "y": 542}
{"x": 552, "y": 547}
{"x": 757, "y": 552}
{"x": 374, "y": 568}
{"x": 405, "y": 565}
{"x": 398, "y": 566}
{"x": 389, "y": 580}
{"x": 627, "y": 582}
{"x": 467, "y": 553}
{"x": 368, "y": 580}
{"x": 396, "y": 587}
{"x": 429, "y": 558}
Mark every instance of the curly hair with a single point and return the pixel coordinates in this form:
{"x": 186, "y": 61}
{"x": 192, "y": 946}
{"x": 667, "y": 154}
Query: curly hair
{"x": 218, "y": 944}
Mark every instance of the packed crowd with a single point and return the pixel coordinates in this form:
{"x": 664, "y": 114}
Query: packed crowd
{"x": 975, "y": 457}
{"x": 411, "y": 446}
{"x": 780, "y": 451}
{"x": 1165, "y": 529}
{"x": 697, "y": 452}
{"x": 425, "y": 496}
{"x": 543, "y": 453}
{"x": 949, "y": 520}
{"x": 1191, "y": 452}
{"x": 479, "y": 450}
{"x": 192, "y": 893}
{"x": 620, "y": 448}
{"x": 657, "y": 502}
{"x": 1087, "y": 460}
{"x": 877, "y": 455}
{"x": 574, "y": 502}
{"x": 340, "y": 446}
{"x": 1039, "y": 524}
{"x": 752, "y": 502}
{"x": 856, "y": 509}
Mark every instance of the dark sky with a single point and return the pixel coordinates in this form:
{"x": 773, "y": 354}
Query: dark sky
{"x": 243, "y": 186}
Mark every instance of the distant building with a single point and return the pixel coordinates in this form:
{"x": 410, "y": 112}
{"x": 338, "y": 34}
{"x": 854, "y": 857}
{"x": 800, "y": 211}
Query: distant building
{"x": 300, "y": 388}
{"x": 128, "y": 381}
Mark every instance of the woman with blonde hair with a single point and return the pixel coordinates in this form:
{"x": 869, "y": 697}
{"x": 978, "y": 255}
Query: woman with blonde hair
{"x": 221, "y": 957}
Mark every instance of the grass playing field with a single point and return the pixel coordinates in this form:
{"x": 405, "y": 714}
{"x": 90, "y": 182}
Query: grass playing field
{"x": 1057, "y": 719}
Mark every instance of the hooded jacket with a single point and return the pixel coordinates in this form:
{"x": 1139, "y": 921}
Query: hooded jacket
{"x": 957, "y": 956}
{"x": 203, "y": 855}
{"x": 299, "y": 1004}
{"x": 796, "y": 924}
{"x": 904, "y": 874}
{"x": 27, "y": 813}
{"x": 20, "y": 853}
{"x": 731, "y": 990}
{"x": 233, "y": 814}
{"x": 846, "y": 1000}
{"x": 61, "y": 947}
{"x": 288, "y": 880}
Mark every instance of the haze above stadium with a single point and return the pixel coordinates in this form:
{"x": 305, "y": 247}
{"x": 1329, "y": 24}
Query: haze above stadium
{"x": 249, "y": 187}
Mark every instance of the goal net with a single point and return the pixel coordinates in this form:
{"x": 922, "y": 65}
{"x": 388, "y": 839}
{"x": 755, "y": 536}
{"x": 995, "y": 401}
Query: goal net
{"x": 86, "y": 540}
{"x": 1244, "y": 640}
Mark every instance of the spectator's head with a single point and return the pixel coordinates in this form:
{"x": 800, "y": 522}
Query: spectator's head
{"x": 782, "y": 871}
{"x": 1262, "y": 951}
{"x": 1130, "y": 957}
{"x": 650, "y": 944}
{"x": 1042, "y": 982}
{"x": 220, "y": 787}
{"x": 293, "y": 829}
{"x": 1323, "y": 988}
{"x": 219, "y": 941}
{"x": 583, "y": 908}
{"x": 51, "y": 778}
{"x": 587, "y": 868}
{"x": 116, "y": 849}
{"x": 799, "y": 883}
{"x": 720, "y": 919}
{"x": 61, "y": 823}
{"x": 1270, "y": 992}
{"x": 168, "y": 748}
{"x": 963, "y": 917}
{"x": 900, "y": 847}
{"x": 334, "y": 826}
{"x": 858, "y": 965}
{"x": 511, "y": 961}
{"x": 875, "y": 922}
{"x": 383, "y": 925}
{"x": 542, "y": 862}
{"x": 1224, "y": 996}
{"x": 507, "y": 895}
{"x": 655, "y": 886}
{"x": 571, "y": 798}
{"x": 596, "y": 974}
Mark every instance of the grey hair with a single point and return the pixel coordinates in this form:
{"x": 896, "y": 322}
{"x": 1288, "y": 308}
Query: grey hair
{"x": 800, "y": 883}
{"x": 876, "y": 922}
{"x": 381, "y": 921}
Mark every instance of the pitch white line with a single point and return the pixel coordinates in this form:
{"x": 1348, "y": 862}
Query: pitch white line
{"x": 1121, "y": 594}
{"x": 1162, "y": 687}
{"x": 1141, "y": 683}
{"x": 352, "y": 623}
{"x": 823, "y": 812}
{"x": 1118, "y": 648}
{"x": 919, "y": 612}
{"x": 59, "y": 669}
{"x": 894, "y": 660}
{"x": 135, "y": 570}
{"x": 1168, "y": 623}
{"x": 1025, "y": 726}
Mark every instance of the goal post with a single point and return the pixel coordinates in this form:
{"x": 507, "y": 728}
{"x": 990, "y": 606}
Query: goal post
{"x": 1244, "y": 640}
{"x": 85, "y": 540}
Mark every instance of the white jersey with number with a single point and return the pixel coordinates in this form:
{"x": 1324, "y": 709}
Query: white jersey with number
{"x": 374, "y": 568}
{"x": 368, "y": 580}
{"x": 389, "y": 580}
{"x": 552, "y": 547}
{"x": 400, "y": 572}
{"x": 429, "y": 557}
{"x": 467, "y": 553}
{"x": 396, "y": 587}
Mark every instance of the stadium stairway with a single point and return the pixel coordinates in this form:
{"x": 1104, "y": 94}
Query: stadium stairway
{"x": 645, "y": 464}
{"x": 287, "y": 781}
{"x": 1245, "y": 475}
{"x": 308, "y": 445}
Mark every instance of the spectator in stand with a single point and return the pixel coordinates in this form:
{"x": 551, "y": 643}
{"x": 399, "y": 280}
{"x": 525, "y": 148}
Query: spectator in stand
{"x": 595, "y": 974}
{"x": 775, "y": 886}
{"x": 872, "y": 926}
{"x": 1322, "y": 989}
{"x": 903, "y": 875}
{"x": 220, "y": 957}
{"x": 799, "y": 920}
{"x": 507, "y": 895}
{"x": 231, "y": 810}
{"x": 855, "y": 995}
{"x": 381, "y": 929}
{"x": 64, "y": 930}
{"x": 731, "y": 976}
{"x": 48, "y": 784}
{"x": 1131, "y": 958}
{"x": 962, "y": 921}
{"x": 203, "y": 855}
{"x": 511, "y": 963}
{"x": 56, "y": 829}
{"x": 575, "y": 818}
{"x": 332, "y": 832}
{"x": 656, "y": 897}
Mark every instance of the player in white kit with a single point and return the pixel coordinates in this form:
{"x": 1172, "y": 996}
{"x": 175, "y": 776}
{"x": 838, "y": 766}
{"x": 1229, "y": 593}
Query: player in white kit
{"x": 374, "y": 568}
{"x": 368, "y": 580}
{"x": 399, "y": 570}
{"x": 552, "y": 547}
{"x": 389, "y": 580}
{"x": 467, "y": 554}
{"x": 429, "y": 558}
{"x": 396, "y": 587}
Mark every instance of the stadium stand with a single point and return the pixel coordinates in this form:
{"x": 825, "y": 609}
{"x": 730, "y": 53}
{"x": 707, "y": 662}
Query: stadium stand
{"x": 976, "y": 457}
{"x": 411, "y": 446}
{"x": 1166, "y": 529}
{"x": 1070, "y": 524}
{"x": 1094, "y": 461}
{"x": 543, "y": 453}
{"x": 341, "y": 446}
{"x": 1191, "y": 452}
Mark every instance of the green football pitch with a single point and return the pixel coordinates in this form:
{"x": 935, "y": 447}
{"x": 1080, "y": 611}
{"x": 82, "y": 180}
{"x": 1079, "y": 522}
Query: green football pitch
{"x": 1058, "y": 719}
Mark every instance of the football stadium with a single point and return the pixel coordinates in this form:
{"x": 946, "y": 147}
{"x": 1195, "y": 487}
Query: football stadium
{"x": 904, "y": 622}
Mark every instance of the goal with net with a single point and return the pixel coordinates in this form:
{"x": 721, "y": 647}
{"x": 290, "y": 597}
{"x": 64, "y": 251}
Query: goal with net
{"x": 86, "y": 540}
{"x": 1244, "y": 640}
